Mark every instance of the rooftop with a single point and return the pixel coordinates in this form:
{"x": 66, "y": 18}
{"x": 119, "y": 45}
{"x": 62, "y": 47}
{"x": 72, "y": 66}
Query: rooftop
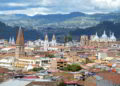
{"x": 110, "y": 76}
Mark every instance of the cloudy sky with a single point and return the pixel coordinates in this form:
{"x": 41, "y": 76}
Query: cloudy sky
{"x": 33, "y": 7}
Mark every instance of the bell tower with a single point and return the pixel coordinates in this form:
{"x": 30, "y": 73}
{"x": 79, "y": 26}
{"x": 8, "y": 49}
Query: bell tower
{"x": 46, "y": 43}
{"x": 19, "y": 43}
{"x": 53, "y": 40}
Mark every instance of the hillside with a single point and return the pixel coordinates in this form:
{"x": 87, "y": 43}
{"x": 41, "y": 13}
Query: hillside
{"x": 7, "y": 31}
{"x": 72, "y": 21}
{"x": 108, "y": 26}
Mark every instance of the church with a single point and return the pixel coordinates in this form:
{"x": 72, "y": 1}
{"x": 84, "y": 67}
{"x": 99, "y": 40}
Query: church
{"x": 46, "y": 43}
{"x": 104, "y": 37}
{"x": 103, "y": 41}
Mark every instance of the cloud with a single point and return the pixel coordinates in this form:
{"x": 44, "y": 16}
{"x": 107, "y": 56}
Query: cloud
{"x": 32, "y": 7}
{"x": 30, "y": 11}
{"x": 17, "y": 4}
{"x": 106, "y": 4}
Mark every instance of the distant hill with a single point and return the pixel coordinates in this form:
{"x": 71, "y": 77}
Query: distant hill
{"x": 6, "y": 32}
{"x": 75, "y": 23}
{"x": 31, "y": 34}
{"x": 108, "y": 26}
{"x": 33, "y": 22}
{"x": 72, "y": 21}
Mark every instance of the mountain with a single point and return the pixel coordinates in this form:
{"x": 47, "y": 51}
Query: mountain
{"x": 107, "y": 26}
{"x": 32, "y": 34}
{"x": 6, "y": 32}
{"x": 75, "y": 23}
{"x": 72, "y": 20}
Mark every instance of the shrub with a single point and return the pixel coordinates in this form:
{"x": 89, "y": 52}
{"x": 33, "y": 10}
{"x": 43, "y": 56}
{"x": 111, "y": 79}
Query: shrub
{"x": 37, "y": 69}
{"x": 73, "y": 68}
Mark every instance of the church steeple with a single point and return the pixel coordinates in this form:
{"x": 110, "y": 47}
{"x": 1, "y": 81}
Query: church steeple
{"x": 53, "y": 38}
{"x": 46, "y": 37}
{"x": 10, "y": 40}
{"x": 46, "y": 43}
{"x": 13, "y": 41}
{"x": 19, "y": 43}
{"x": 53, "y": 42}
{"x": 20, "y": 37}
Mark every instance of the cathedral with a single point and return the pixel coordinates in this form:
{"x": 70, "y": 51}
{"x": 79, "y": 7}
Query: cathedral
{"x": 96, "y": 41}
{"x": 104, "y": 38}
{"x": 46, "y": 43}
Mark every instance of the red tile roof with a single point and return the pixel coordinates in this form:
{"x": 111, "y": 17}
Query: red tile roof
{"x": 111, "y": 76}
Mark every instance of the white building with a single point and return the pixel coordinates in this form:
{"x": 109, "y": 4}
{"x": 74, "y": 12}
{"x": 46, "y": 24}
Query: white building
{"x": 53, "y": 42}
{"x": 104, "y": 38}
{"x": 12, "y": 40}
{"x": 46, "y": 44}
{"x": 6, "y": 62}
{"x": 101, "y": 55}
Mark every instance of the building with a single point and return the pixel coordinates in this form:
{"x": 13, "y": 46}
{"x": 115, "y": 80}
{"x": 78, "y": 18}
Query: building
{"x": 107, "y": 79}
{"x": 84, "y": 40}
{"x": 11, "y": 41}
{"x": 57, "y": 63}
{"x": 96, "y": 41}
{"x": 46, "y": 43}
{"x": 104, "y": 37}
{"x": 25, "y": 62}
{"x": 53, "y": 42}
{"x": 19, "y": 43}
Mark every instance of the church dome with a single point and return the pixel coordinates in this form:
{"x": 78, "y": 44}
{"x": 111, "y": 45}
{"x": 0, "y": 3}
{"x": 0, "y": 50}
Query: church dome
{"x": 113, "y": 38}
{"x": 104, "y": 36}
{"x": 96, "y": 38}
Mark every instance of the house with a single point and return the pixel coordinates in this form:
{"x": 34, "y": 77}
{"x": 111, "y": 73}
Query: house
{"x": 107, "y": 79}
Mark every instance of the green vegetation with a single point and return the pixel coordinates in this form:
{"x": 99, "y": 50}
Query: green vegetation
{"x": 37, "y": 69}
{"x": 50, "y": 56}
{"x": 68, "y": 38}
{"x": 62, "y": 84}
{"x": 73, "y": 68}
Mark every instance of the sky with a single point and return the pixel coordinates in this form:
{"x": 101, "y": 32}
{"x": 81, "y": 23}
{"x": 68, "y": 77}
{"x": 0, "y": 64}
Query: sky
{"x": 34, "y": 7}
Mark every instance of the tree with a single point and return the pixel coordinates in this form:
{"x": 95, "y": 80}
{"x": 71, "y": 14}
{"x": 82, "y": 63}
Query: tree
{"x": 62, "y": 84}
{"x": 73, "y": 68}
{"x": 67, "y": 38}
{"x": 51, "y": 55}
{"x": 37, "y": 69}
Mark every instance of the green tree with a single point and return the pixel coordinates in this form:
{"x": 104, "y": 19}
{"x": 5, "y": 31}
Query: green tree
{"x": 37, "y": 69}
{"x": 51, "y": 56}
{"x": 62, "y": 84}
{"x": 73, "y": 68}
{"x": 67, "y": 38}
